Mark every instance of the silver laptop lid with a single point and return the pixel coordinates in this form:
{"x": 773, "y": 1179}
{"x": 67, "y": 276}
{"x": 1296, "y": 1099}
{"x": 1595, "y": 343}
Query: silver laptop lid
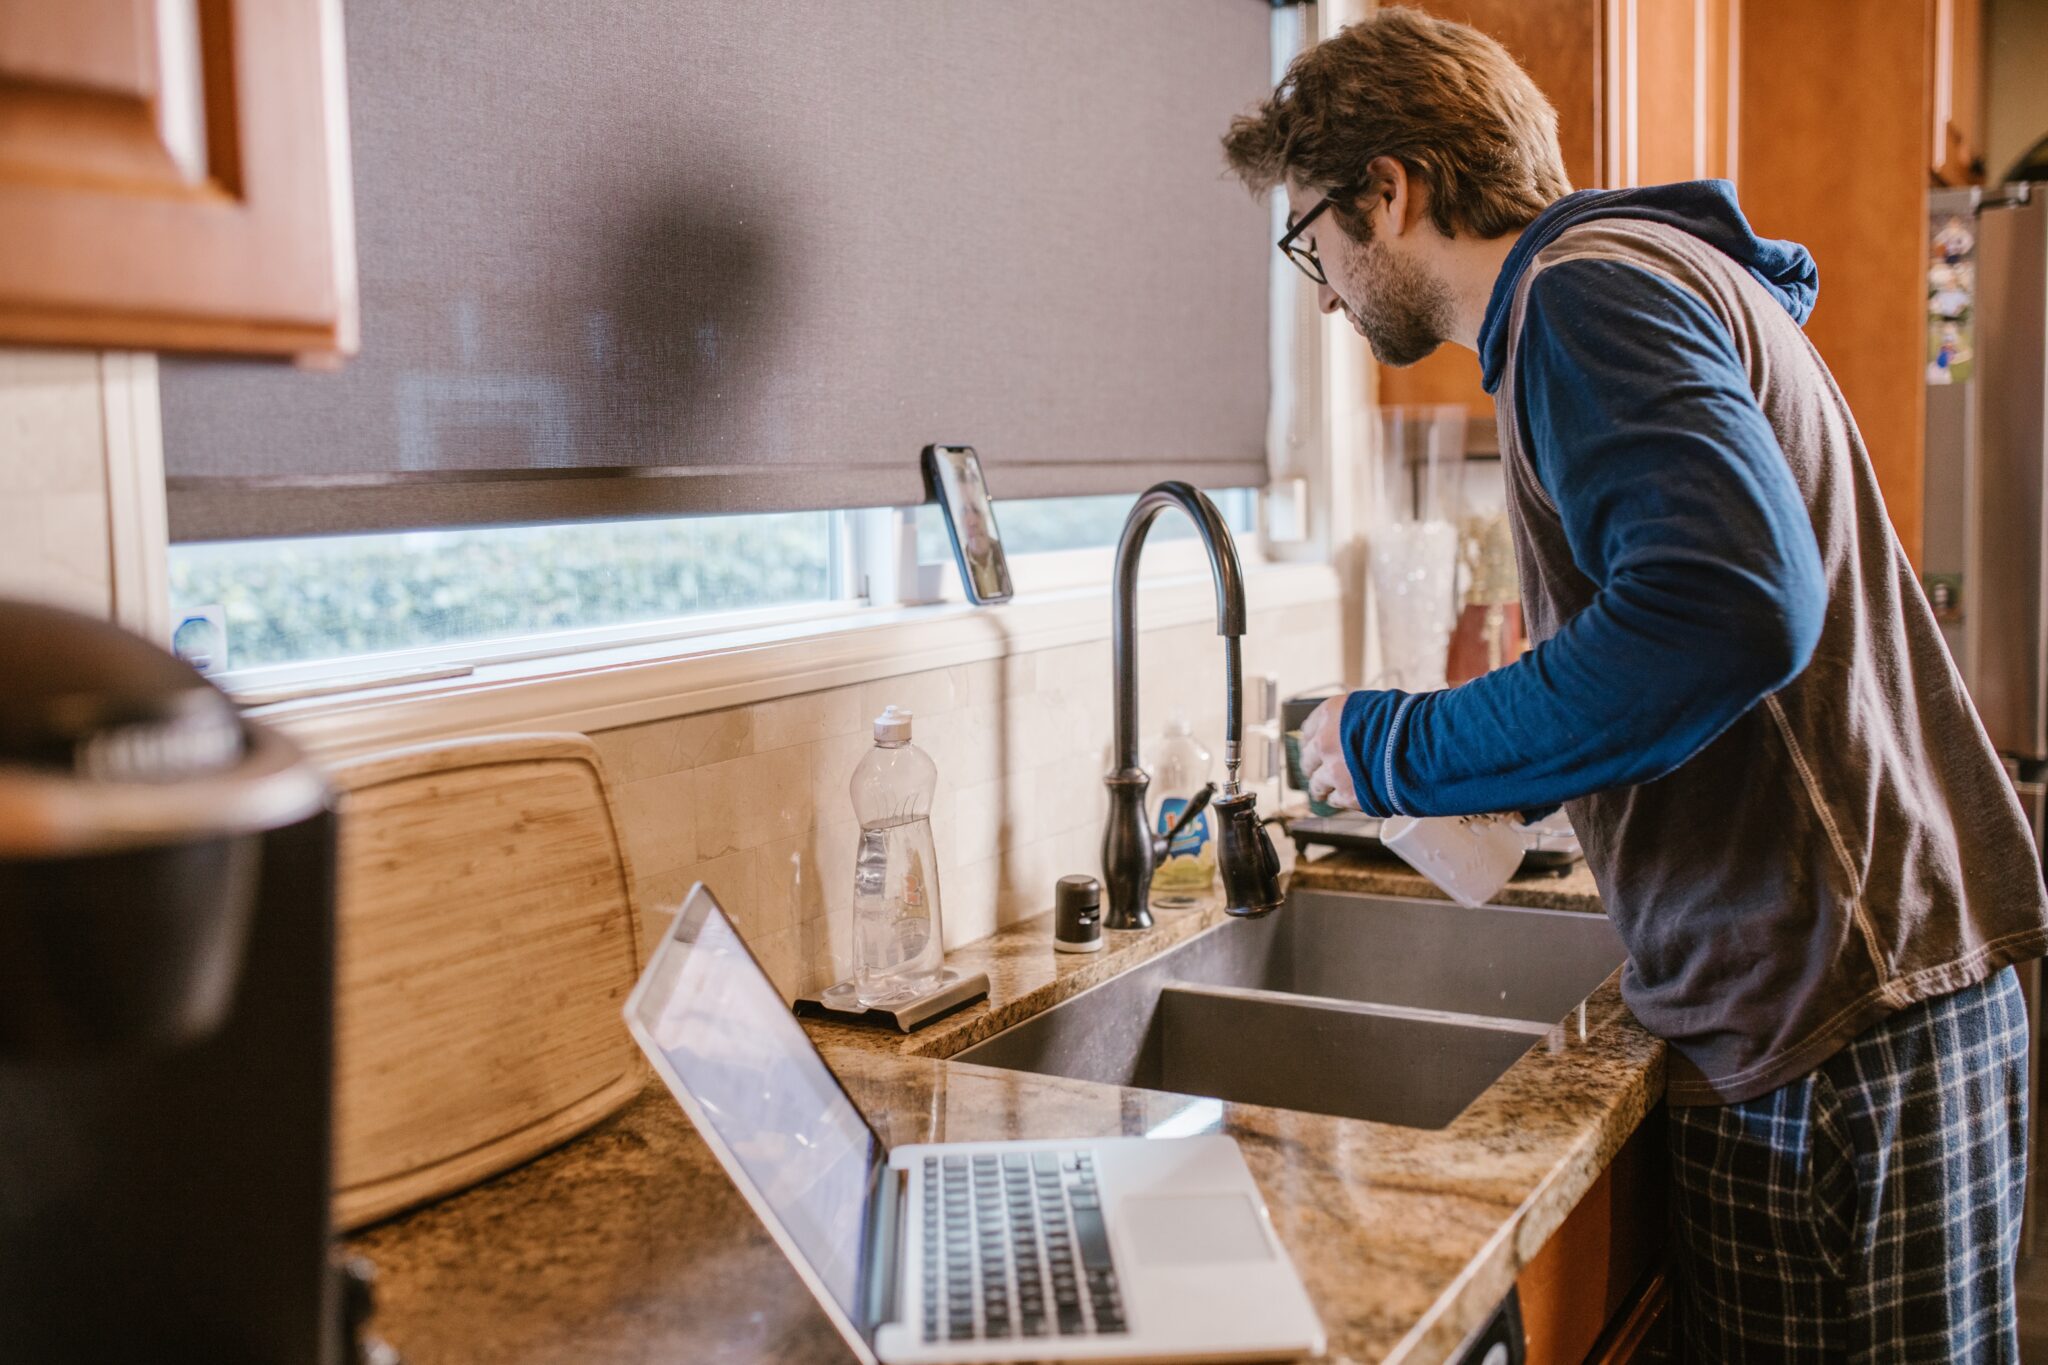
{"x": 736, "y": 1058}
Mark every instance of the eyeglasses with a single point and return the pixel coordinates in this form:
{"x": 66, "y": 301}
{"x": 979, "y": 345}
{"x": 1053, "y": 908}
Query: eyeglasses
{"x": 1305, "y": 256}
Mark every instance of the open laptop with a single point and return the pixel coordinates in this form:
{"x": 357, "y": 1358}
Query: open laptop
{"x": 1093, "y": 1249}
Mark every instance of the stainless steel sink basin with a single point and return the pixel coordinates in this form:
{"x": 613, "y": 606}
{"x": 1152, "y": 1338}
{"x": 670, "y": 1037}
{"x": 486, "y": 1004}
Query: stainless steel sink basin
{"x": 1373, "y": 1007}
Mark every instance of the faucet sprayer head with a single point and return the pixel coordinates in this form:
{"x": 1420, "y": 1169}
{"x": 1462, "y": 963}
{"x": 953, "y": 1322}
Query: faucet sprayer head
{"x": 1245, "y": 857}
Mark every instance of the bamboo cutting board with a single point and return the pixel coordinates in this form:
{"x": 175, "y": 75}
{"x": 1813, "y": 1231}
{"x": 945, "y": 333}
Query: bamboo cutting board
{"x": 487, "y": 942}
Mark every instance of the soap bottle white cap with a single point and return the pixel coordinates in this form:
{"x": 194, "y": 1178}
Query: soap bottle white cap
{"x": 892, "y": 726}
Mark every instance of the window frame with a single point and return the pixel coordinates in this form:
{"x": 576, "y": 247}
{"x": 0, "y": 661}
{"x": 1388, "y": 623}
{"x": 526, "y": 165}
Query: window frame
{"x": 609, "y": 689}
{"x": 861, "y": 540}
{"x": 382, "y": 668}
{"x": 1049, "y": 571}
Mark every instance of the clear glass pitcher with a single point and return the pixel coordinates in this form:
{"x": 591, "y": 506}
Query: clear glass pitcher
{"x": 1413, "y": 504}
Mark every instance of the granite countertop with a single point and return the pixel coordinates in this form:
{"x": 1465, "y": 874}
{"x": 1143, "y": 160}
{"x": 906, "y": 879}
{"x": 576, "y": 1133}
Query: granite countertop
{"x": 1388, "y": 875}
{"x": 630, "y": 1245}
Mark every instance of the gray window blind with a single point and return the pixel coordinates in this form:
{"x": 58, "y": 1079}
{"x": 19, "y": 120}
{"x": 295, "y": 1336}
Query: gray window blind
{"x": 636, "y": 257}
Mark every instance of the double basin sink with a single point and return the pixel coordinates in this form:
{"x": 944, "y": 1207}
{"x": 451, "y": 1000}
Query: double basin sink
{"x": 1386, "y": 1008}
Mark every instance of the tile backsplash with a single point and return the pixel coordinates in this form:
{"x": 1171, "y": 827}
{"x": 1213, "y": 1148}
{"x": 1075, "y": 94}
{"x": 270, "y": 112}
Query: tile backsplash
{"x": 753, "y": 800}
{"x": 54, "y": 539}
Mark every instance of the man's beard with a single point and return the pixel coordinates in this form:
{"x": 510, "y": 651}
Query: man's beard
{"x": 1405, "y": 313}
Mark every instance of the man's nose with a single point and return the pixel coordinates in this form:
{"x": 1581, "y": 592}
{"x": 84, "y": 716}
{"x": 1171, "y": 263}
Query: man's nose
{"x": 1327, "y": 300}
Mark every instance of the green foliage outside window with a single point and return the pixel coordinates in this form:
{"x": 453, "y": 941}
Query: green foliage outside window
{"x": 298, "y": 600}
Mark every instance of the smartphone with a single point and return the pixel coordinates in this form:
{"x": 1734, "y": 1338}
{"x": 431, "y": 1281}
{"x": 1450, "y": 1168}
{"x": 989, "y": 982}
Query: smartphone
{"x": 954, "y": 475}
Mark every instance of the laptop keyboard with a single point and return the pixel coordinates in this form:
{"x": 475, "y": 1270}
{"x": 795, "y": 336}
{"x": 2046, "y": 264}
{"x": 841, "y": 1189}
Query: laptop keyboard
{"x": 1014, "y": 1246}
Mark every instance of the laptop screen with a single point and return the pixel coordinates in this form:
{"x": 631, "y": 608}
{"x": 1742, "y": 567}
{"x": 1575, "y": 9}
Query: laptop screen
{"x": 724, "y": 1034}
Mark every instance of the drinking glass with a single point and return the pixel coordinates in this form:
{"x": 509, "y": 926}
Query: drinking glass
{"x": 1413, "y": 489}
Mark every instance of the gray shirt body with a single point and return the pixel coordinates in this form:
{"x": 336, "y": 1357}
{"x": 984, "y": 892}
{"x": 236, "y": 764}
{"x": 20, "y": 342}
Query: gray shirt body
{"x": 1850, "y": 845}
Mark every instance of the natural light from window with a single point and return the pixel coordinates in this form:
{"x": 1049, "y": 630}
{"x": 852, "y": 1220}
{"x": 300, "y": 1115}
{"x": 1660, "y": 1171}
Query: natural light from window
{"x": 1032, "y": 526}
{"x": 259, "y": 604}
{"x": 293, "y": 601}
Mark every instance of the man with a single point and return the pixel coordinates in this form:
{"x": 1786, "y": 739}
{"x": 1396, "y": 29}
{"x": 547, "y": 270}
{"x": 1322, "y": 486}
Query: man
{"x": 1797, "y": 824}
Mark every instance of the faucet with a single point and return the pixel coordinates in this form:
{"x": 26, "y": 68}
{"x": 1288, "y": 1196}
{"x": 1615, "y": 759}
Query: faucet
{"x": 1130, "y": 850}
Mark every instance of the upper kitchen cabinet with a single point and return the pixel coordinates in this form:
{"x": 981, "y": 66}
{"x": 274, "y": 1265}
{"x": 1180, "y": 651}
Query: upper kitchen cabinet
{"x": 1956, "y": 86}
{"x": 174, "y": 176}
{"x": 1643, "y": 95}
{"x": 1668, "y": 101}
{"x": 1834, "y": 155}
{"x": 1557, "y": 42}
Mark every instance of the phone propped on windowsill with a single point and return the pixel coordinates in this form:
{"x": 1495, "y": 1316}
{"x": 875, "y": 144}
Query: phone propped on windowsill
{"x": 953, "y": 474}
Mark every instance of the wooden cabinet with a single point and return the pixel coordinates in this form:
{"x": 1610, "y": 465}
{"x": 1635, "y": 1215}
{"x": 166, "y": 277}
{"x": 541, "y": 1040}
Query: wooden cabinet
{"x": 1643, "y": 95}
{"x": 1832, "y": 151}
{"x": 1834, "y": 155}
{"x": 1595, "y": 1291}
{"x": 1669, "y": 101}
{"x": 1955, "y": 54}
{"x": 174, "y": 175}
{"x": 1643, "y": 1332}
{"x": 1557, "y": 42}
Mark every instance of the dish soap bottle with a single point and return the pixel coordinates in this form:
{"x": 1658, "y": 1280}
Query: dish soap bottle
{"x": 1180, "y": 769}
{"x": 898, "y": 948}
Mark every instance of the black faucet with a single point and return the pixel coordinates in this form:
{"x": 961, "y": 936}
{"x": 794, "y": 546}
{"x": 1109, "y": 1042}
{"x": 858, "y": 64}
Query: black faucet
{"x": 1130, "y": 850}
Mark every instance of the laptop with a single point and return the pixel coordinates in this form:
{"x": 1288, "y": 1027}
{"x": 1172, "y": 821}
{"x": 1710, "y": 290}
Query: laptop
{"x": 1093, "y": 1249}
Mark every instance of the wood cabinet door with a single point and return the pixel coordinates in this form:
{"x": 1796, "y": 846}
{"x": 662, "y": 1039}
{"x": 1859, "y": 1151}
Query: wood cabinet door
{"x": 1643, "y": 95}
{"x": 1956, "y": 89}
{"x": 174, "y": 175}
{"x": 1585, "y": 1286}
{"x": 1558, "y": 43}
{"x": 1834, "y": 156}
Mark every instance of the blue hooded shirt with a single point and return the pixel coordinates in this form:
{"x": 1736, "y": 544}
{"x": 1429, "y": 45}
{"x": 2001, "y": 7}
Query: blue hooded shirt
{"x": 1704, "y": 208}
{"x": 1678, "y": 506}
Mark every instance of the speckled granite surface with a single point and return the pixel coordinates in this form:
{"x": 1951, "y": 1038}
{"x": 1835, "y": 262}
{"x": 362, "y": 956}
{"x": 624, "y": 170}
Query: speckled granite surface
{"x": 629, "y": 1245}
{"x": 1386, "y": 874}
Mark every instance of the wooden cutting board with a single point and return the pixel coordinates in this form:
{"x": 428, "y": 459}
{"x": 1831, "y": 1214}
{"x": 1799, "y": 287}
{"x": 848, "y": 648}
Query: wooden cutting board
{"x": 487, "y": 941}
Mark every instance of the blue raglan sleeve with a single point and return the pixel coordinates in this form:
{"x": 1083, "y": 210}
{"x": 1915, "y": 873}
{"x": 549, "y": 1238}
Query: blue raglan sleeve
{"x": 1678, "y": 505}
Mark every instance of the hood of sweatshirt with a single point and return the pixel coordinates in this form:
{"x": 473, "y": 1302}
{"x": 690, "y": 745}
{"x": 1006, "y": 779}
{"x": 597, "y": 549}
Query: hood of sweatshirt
{"x": 1704, "y": 208}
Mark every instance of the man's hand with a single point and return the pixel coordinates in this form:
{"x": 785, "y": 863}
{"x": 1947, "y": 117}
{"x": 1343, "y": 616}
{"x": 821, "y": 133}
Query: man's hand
{"x": 1322, "y": 756}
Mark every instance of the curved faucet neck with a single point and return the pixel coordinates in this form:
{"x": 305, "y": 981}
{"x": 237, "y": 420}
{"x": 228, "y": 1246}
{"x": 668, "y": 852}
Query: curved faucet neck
{"x": 1230, "y": 616}
{"x": 1245, "y": 858}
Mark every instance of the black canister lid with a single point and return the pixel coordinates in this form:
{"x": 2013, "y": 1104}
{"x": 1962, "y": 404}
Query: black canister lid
{"x": 1077, "y": 908}
{"x": 109, "y": 743}
{"x": 83, "y": 697}
{"x": 1078, "y": 890}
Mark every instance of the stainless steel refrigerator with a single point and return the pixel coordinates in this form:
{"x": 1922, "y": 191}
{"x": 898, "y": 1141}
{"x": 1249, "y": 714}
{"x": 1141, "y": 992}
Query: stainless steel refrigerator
{"x": 1984, "y": 557}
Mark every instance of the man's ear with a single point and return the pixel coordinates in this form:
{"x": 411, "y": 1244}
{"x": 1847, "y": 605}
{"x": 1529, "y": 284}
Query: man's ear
{"x": 1388, "y": 185}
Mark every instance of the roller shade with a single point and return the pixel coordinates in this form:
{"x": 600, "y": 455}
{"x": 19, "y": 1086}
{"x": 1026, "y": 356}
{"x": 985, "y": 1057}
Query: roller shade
{"x": 633, "y": 258}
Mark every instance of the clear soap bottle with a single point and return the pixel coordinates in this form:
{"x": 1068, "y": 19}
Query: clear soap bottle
{"x": 898, "y": 946}
{"x": 1181, "y": 767}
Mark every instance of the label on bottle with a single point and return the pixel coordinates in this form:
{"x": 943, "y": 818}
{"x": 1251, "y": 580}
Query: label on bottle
{"x": 1190, "y": 842}
{"x": 871, "y": 865}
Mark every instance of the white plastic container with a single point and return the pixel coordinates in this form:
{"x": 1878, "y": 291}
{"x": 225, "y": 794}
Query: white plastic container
{"x": 898, "y": 945}
{"x": 1470, "y": 856}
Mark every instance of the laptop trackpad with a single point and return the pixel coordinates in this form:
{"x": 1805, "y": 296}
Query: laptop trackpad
{"x": 1180, "y": 1230}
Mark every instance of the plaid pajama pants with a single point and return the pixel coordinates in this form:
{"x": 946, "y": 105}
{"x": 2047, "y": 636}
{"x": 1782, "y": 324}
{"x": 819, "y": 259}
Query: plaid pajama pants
{"x": 1870, "y": 1210}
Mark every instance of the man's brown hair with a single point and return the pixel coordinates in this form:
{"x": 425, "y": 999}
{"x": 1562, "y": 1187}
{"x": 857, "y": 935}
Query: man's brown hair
{"x": 1443, "y": 99}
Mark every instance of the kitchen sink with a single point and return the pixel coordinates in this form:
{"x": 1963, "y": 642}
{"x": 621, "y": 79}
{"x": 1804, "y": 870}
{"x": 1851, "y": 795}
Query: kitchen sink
{"x": 1387, "y": 1008}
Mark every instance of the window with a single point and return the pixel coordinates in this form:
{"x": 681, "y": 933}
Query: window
{"x": 1033, "y": 526}
{"x": 288, "y": 612}
{"x": 336, "y": 597}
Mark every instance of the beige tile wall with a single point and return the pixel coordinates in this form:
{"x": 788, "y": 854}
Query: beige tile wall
{"x": 54, "y": 544}
{"x": 753, "y": 800}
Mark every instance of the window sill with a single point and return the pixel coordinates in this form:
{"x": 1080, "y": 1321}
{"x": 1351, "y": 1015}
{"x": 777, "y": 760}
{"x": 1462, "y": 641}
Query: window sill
{"x": 607, "y": 688}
